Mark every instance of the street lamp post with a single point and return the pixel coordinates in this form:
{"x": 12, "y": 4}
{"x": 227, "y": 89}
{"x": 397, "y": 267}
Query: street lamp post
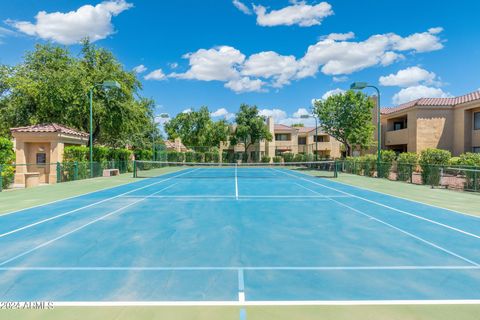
{"x": 363, "y": 85}
{"x": 306, "y": 116}
{"x": 105, "y": 84}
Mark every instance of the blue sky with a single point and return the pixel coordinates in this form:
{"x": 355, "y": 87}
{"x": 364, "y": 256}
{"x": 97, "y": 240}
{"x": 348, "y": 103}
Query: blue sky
{"x": 278, "y": 55}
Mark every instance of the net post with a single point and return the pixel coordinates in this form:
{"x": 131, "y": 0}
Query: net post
{"x": 335, "y": 169}
{"x": 134, "y": 168}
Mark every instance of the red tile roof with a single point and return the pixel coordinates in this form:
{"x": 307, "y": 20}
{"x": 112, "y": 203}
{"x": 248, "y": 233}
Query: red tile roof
{"x": 305, "y": 129}
{"x": 434, "y": 102}
{"x": 50, "y": 127}
{"x": 281, "y": 127}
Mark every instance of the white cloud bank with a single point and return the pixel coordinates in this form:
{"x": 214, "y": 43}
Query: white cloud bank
{"x": 156, "y": 75}
{"x": 411, "y": 76}
{"x": 140, "y": 69}
{"x": 417, "y": 92}
{"x": 299, "y": 13}
{"x": 281, "y": 116}
{"x": 328, "y": 56}
{"x": 222, "y": 113}
{"x": 94, "y": 22}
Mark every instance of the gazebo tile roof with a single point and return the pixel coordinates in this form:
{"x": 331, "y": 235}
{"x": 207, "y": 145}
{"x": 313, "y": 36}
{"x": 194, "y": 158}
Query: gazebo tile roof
{"x": 50, "y": 127}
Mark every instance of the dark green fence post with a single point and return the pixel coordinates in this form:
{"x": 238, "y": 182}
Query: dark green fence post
{"x": 410, "y": 168}
{"x": 1, "y": 178}
{"x": 475, "y": 186}
{"x": 59, "y": 172}
{"x": 134, "y": 168}
{"x": 75, "y": 170}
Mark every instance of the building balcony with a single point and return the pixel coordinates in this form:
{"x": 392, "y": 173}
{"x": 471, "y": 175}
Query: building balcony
{"x": 396, "y": 137}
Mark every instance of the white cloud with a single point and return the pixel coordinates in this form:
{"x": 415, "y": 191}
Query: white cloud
{"x": 421, "y": 42}
{"x": 270, "y": 64}
{"x": 408, "y": 77}
{"x": 417, "y": 92}
{"x": 140, "y": 69}
{"x": 188, "y": 110}
{"x": 276, "y": 114}
{"x": 299, "y": 13}
{"x": 340, "y": 79}
{"x": 300, "y": 112}
{"x": 219, "y": 63}
{"x": 242, "y": 7}
{"x": 332, "y": 93}
{"x": 271, "y": 69}
{"x": 245, "y": 84}
{"x": 155, "y": 75}
{"x": 223, "y": 113}
{"x": 5, "y": 33}
{"x": 173, "y": 65}
{"x": 94, "y": 22}
{"x": 340, "y": 36}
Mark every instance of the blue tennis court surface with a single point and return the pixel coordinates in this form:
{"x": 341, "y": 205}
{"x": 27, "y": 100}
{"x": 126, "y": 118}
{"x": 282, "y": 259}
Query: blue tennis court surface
{"x": 238, "y": 235}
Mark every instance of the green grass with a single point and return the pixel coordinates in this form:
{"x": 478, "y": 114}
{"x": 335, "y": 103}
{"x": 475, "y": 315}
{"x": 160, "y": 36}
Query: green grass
{"x": 374, "y": 312}
{"x": 466, "y": 202}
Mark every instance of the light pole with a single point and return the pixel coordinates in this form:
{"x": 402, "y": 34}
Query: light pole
{"x": 163, "y": 116}
{"x": 361, "y": 86}
{"x": 306, "y": 116}
{"x": 105, "y": 84}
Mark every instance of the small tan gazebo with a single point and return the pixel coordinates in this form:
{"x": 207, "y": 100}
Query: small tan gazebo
{"x": 39, "y": 147}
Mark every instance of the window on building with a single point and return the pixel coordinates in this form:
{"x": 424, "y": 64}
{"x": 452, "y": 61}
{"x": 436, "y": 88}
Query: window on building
{"x": 476, "y": 150}
{"x": 302, "y": 140}
{"x": 320, "y": 138}
{"x": 398, "y": 125}
{"x": 282, "y": 137}
{"x": 41, "y": 158}
{"x": 476, "y": 121}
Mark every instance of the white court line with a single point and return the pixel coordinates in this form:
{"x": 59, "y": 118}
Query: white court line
{"x": 206, "y": 197}
{"x": 87, "y": 206}
{"x": 402, "y": 231}
{"x": 264, "y": 268}
{"x": 236, "y": 183}
{"x": 261, "y": 303}
{"x": 78, "y": 228}
{"x": 388, "y": 207}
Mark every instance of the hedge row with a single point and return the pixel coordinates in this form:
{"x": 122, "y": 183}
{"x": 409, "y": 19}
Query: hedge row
{"x": 7, "y": 156}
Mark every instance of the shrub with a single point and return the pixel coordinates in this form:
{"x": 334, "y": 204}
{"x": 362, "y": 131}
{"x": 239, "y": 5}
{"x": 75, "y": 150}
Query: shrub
{"x": 199, "y": 157}
{"x": 189, "y": 156}
{"x": 7, "y": 157}
{"x": 387, "y": 157}
{"x": 406, "y": 163}
{"x": 142, "y": 154}
{"x": 309, "y": 157}
{"x": 265, "y": 159}
{"x": 228, "y": 157}
{"x": 209, "y": 156}
{"x": 277, "y": 159}
{"x": 454, "y": 161}
{"x": 174, "y": 156}
{"x": 75, "y": 153}
{"x": 288, "y": 157}
{"x": 431, "y": 161}
{"x": 472, "y": 161}
{"x": 299, "y": 158}
{"x": 368, "y": 163}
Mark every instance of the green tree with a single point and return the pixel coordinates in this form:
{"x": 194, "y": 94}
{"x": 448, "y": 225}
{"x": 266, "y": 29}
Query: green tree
{"x": 52, "y": 85}
{"x": 197, "y": 129}
{"x": 250, "y": 128}
{"x": 348, "y": 118}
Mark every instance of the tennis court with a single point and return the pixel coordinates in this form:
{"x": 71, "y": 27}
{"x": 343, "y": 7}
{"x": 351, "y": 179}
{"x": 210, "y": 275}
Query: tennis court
{"x": 243, "y": 235}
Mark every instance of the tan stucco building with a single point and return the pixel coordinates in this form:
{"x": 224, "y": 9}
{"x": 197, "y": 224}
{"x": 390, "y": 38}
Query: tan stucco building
{"x": 39, "y": 147}
{"x": 446, "y": 123}
{"x": 287, "y": 139}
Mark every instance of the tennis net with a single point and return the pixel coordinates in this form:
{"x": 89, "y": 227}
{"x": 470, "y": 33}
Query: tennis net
{"x": 194, "y": 170}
